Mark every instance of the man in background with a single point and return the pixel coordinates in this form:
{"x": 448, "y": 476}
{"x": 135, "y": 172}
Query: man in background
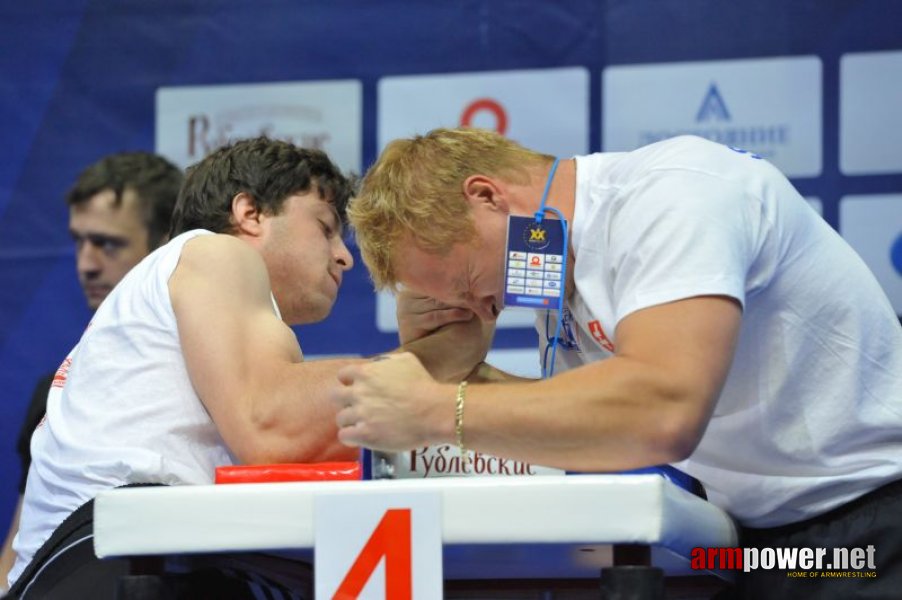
{"x": 119, "y": 211}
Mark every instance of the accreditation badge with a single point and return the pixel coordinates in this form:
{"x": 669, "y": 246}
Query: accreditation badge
{"x": 534, "y": 266}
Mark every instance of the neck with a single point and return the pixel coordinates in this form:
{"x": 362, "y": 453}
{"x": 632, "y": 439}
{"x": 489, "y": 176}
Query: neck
{"x": 561, "y": 194}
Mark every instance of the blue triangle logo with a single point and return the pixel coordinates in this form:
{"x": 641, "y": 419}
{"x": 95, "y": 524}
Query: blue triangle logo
{"x": 713, "y": 107}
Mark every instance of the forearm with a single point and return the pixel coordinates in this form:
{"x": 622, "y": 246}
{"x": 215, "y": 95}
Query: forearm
{"x": 613, "y": 416}
{"x": 486, "y": 373}
{"x": 452, "y": 353}
{"x": 647, "y": 405}
{"x": 290, "y": 417}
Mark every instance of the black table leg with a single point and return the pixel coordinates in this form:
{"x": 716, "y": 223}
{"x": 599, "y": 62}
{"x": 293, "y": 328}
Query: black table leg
{"x": 632, "y": 577}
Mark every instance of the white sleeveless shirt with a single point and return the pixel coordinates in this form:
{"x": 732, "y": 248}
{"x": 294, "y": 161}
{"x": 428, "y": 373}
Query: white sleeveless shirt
{"x": 121, "y": 408}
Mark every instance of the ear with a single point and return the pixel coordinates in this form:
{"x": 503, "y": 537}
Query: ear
{"x": 482, "y": 191}
{"x": 246, "y": 216}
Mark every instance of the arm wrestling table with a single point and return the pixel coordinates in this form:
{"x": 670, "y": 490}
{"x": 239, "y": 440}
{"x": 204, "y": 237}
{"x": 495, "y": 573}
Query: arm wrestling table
{"x": 500, "y": 531}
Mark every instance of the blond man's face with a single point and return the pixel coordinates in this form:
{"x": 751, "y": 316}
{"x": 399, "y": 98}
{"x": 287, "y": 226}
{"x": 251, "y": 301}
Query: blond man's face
{"x": 470, "y": 276}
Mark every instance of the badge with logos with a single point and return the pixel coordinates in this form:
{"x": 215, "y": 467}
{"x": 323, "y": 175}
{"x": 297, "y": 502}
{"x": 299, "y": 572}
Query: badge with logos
{"x": 534, "y": 267}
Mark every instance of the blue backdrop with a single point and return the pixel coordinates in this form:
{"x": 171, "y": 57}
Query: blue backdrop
{"x": 78, "y": 80}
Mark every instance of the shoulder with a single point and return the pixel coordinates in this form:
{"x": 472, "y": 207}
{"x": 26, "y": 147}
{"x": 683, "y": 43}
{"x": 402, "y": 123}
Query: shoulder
{"x": 219, "y": 261}
{"x": 217, "y": 252}
{"x": 217, "y": 247}
{"x": 687, "y": 152}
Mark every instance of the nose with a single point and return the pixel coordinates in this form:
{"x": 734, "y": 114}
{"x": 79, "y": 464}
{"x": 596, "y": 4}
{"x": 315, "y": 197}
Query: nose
{"x": 87, "y": 259}
{"x": 343, "y": 256}
{"x": 485, "y": 308}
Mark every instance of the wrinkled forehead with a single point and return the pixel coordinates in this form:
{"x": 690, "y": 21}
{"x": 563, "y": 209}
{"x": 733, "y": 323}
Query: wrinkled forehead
{"x": 440, "y": 276}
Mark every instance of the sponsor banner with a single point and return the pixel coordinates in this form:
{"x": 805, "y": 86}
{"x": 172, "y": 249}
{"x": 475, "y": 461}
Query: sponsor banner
{"x": 444, "y": 460}
{"x": 872, "y": 224}
{"x": 193, "y": 121}
{"x": 543, "y": 109}
{"x": 870, "y": 122}
{"x": 770, "y": 106}
{"x": 378, "y": 545}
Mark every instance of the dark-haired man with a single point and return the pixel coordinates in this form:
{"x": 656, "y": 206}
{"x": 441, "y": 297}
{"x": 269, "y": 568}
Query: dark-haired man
{"x": 119, "y": 211}
{"x": 190, "y": 362}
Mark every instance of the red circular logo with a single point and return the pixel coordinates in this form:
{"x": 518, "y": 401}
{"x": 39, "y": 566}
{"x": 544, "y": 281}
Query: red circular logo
{"x": 485, "y": 104}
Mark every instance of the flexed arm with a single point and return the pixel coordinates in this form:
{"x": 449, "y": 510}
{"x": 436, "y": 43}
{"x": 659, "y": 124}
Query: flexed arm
{"x": 245, "y": 363}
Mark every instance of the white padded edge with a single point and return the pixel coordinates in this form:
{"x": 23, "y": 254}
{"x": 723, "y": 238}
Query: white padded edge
{"x": 589, "y": 509}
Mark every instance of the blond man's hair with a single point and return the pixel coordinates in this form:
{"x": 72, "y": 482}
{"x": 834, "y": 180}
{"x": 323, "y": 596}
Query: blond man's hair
{"x": 414, "y": 192}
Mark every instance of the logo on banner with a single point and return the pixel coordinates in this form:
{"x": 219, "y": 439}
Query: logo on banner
{"x": 513, "y": 103}
{"x": 299, "y": 125}
{"x": 599, "y": 336}
{"x": 194, "y": 121}
{"x": 390, "y": 541}
{"x": 769, "y": 106}
{"x": 713, "y": 106}
{"x": 489, "y": 106}
{"x": 715, "y": 123}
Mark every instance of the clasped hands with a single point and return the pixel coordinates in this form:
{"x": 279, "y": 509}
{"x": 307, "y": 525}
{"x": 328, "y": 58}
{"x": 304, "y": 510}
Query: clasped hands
{"x": 392, "y": 402}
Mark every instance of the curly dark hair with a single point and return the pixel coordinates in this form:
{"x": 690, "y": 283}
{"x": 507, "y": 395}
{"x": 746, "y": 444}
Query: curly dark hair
{"x": 268, "y": 170}
{"x": 154, "y": 180}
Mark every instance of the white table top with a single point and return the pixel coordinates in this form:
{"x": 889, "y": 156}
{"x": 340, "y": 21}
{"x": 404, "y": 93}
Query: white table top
{"x": 499, "y": 527}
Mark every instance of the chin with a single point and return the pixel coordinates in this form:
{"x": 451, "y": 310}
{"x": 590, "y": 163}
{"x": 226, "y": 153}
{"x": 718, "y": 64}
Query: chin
{"x": 313, "y": 312}
{"x": 321, "y": 315}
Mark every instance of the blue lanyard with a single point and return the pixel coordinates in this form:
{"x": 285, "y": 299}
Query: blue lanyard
{"x": 540, "y": 215}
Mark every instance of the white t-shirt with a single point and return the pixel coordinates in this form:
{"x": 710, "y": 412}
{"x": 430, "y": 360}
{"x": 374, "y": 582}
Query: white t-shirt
{"x": 810, "y": 416}
{"x": 121, "y": 409}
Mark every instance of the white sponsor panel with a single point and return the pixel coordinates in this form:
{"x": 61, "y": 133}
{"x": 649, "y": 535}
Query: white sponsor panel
{"x": 770, "y": 106}
{"x": 443, "y": 460}
{"x": 543, "y": 109}
{"x": 378, "y": 545}
{"x": 870, "y": 119}
{"x": 872, "y": 224}
{"x": 193, "y": 121}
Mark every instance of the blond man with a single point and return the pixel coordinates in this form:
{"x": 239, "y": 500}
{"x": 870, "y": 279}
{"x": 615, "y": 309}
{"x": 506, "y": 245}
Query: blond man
{"x": 717, "y": 324}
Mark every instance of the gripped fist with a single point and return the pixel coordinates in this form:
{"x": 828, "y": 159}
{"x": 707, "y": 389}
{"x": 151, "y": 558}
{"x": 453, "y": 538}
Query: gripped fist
{"x": 390, "y": 403}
